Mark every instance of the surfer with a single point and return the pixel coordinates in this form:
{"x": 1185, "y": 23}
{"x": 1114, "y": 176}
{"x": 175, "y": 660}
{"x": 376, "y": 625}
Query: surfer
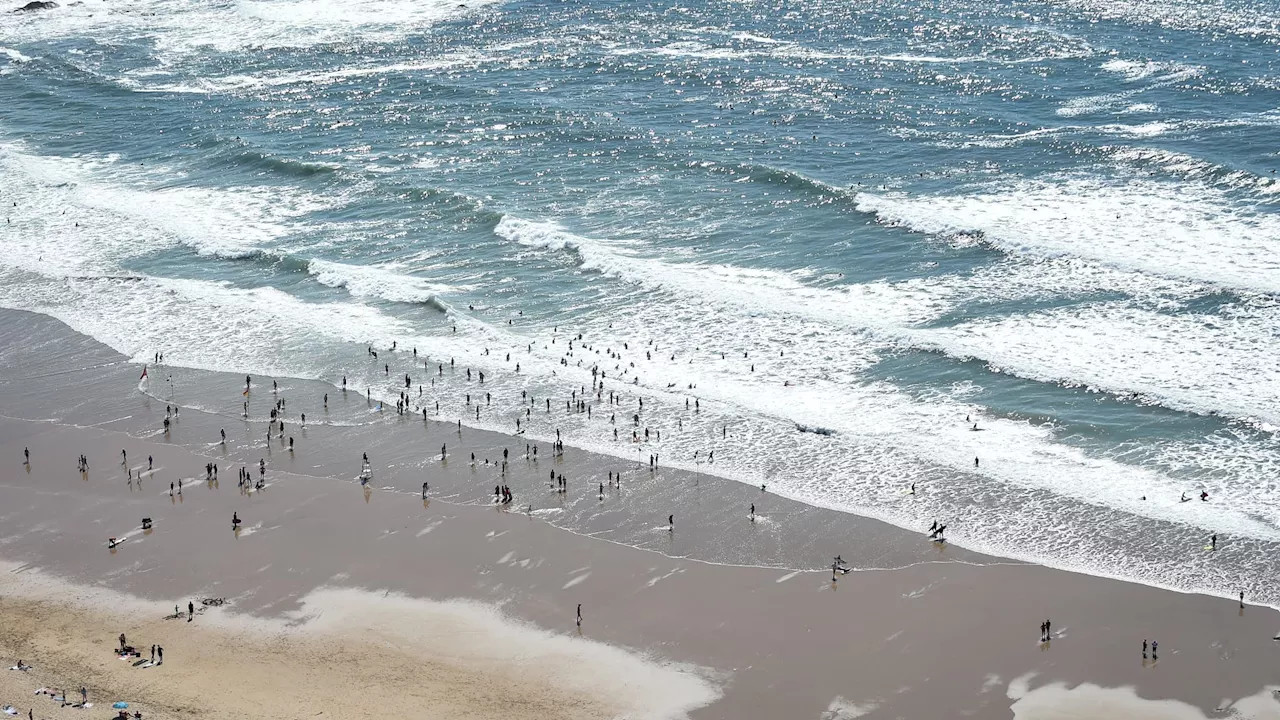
{"x": 1203, "y": 496}
{"x": 913, "y": 488}
{"x": 424, "y": 490}
{"x": 1213, "y": 542}
{"x": 579, "y": 614}
{"x": 1184, "y": 497}
{"x": 671, "y": 523}
{"x": 753, "y": 512}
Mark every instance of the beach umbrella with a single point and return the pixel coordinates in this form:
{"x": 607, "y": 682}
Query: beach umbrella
{"x": 120, "y": 705}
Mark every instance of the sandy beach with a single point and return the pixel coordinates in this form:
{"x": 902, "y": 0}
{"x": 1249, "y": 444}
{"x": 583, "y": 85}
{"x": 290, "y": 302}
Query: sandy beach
{"x": 367, "y": 600}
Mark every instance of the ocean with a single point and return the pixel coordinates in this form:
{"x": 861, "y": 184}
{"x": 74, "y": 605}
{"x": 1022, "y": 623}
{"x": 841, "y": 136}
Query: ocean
{"x": 887, "y": 220}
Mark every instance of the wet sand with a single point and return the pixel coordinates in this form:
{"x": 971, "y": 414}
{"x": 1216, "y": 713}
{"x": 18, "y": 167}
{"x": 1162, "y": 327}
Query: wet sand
{"x": 722, "y": 618}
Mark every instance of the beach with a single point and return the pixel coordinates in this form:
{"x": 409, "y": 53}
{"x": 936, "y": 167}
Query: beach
{"x": 365, "y": 599}
{"x": 709, "y": 360}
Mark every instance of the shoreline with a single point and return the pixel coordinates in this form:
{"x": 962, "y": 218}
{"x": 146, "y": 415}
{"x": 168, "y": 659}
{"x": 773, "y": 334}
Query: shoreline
{"x": 770, "y": 640}
{"x": 209, "y": 392}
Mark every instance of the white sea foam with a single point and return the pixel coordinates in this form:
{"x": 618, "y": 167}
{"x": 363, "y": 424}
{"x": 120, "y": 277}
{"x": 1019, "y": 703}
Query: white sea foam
{"x": 203, "y": 324}
{"x": 14, "y": 55}
{"x": 185, "y": 27}
{"x": 108, "y": 211}
{"x": 1204, "y": 363}
{"x": 1192, "y": 231}
{"x": 231, "y": 83}
{"x": 1158, "y": 74}
{"x": 378, "y": 281}
{"x": 1133, "y": 70}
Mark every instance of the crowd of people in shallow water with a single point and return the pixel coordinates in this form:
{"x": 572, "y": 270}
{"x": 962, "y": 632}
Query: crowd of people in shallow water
{"x": 579, "y": 401}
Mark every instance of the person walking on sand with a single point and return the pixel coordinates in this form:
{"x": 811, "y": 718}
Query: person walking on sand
{"x": 84, "y": 695}
{"x": 191, "y": 610}
{"x": 1048, "y": 630}
{"x": 160, "y": 652}
{"x": 1144, "y": 648}
{"x": 153, "y": 654}
{"x": 424, "y": 490}
{"x": 26, "y": 456}
{"x": 1241, "y": 599}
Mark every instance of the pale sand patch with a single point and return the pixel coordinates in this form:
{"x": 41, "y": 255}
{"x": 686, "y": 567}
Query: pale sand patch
{"x": 1086, "y": 701}
{"x": 842, "y": 709}
{"x": 344, "y": 651}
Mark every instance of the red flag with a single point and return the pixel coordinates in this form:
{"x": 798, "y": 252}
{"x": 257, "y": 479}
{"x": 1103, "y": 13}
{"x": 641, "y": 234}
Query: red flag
{"x": 144, "y": 373}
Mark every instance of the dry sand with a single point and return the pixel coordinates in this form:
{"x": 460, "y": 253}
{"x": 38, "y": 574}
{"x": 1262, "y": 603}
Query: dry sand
{"x": 357, "y": 654}
{"x": 373, "y": 603}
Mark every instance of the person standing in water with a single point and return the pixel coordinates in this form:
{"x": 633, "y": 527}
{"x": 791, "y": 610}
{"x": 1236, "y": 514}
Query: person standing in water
{"x": 671, "y": 523}
{"x": 579, "y": 614}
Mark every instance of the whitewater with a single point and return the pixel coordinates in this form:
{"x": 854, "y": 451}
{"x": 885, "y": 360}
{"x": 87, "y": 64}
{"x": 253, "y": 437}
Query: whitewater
{"x": 893, "y": 223}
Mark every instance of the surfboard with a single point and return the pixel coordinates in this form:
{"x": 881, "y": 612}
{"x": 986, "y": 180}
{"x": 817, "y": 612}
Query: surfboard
{"x": 1209, "y": 547}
